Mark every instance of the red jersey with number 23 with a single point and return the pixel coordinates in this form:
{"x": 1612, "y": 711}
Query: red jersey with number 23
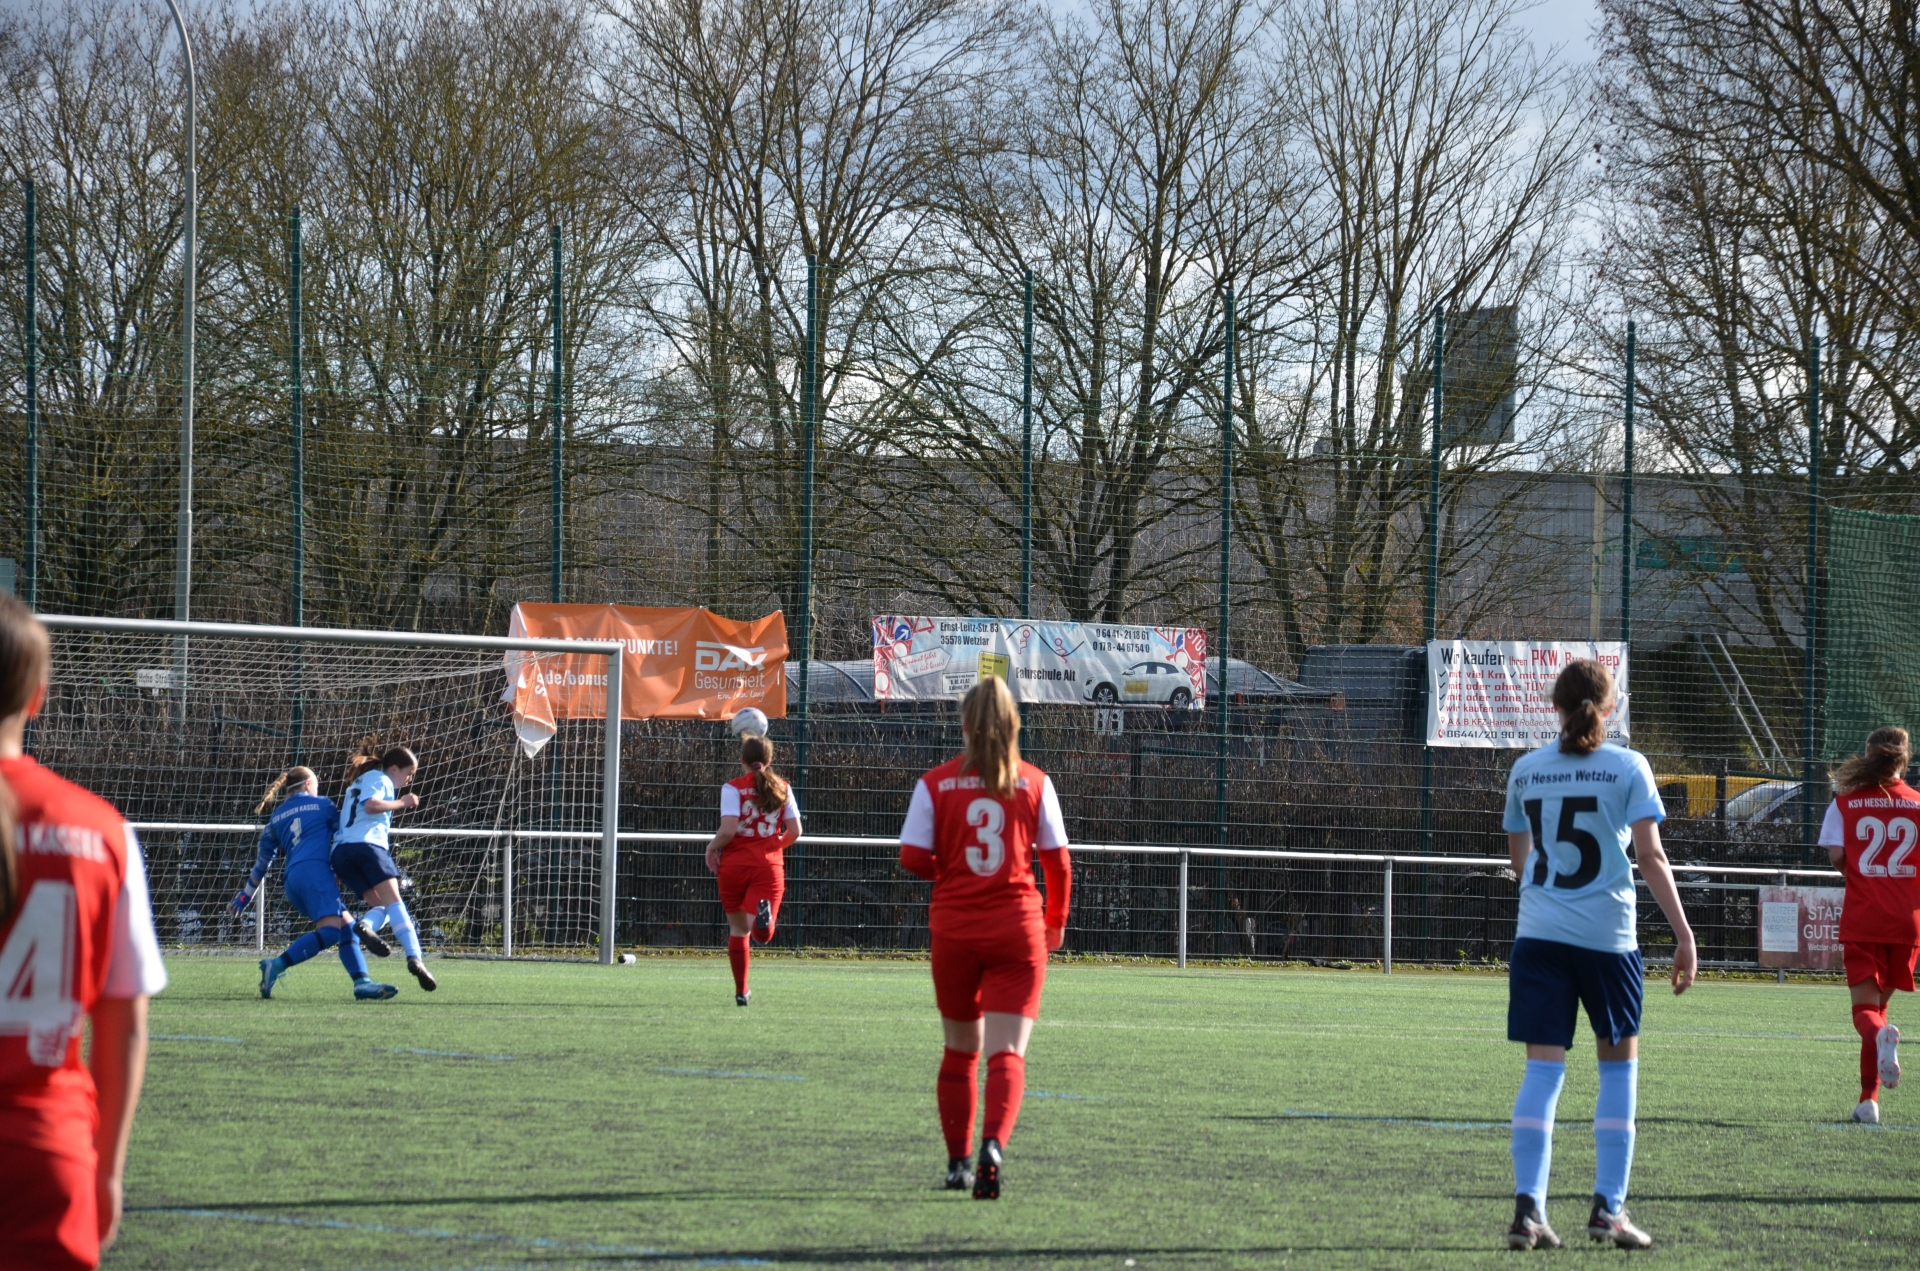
{"x": 759, "y": 830}
{"x": 80, "y": 930}
{"x": 1880, "y": 829}
{"x": 983, "y": 848}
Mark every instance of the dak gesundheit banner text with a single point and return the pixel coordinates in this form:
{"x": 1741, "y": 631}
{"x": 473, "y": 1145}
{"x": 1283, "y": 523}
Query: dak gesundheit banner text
{"x": 919, "y": 658}
{"x": 681, "y": 663}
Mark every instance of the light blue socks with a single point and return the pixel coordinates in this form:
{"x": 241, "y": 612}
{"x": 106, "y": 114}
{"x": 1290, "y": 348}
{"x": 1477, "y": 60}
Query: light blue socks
{"x": 1612, "y": 1129}
{"x": 1533, "y": 1111}
{"x": 403, "y": 928}
{"x": 375, "y": 918}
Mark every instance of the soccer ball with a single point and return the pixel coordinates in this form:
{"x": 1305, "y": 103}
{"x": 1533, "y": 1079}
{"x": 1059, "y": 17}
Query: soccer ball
{"x": 751, "y": 722}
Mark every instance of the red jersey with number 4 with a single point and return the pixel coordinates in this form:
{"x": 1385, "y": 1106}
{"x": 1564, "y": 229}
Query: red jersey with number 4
{"x": 1880, "y": 829}
{"x": 983, "y": 849}
{"x": 760, "y": 828}
{"x": 55, "y": 952}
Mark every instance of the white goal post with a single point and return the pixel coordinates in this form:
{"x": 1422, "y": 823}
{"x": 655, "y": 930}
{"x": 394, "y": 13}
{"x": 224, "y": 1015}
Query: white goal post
{"x": 134, "y": 701}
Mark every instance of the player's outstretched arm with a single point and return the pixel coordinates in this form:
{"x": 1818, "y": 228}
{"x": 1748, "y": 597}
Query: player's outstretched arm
{"x": 119, "y": 1064}
{"x": 1655, "y": 868}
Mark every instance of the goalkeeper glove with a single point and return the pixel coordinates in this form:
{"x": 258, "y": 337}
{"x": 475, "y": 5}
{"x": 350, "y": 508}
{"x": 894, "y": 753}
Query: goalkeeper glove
{"x": 239, "y": 903}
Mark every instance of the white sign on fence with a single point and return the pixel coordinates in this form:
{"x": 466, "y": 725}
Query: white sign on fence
{"x": 1496, "y": 694}
{"x": 1095, "y": 664}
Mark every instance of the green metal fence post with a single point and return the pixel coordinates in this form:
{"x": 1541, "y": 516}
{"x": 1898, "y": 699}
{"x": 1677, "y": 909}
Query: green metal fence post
{"x": 809, "y": 421}
{"x": 1026, "y": 454}
{"x": 555, "y": 422}
{"x": 1626, "y": 513}
{"x": 1809, "y": 741}
{"x": 30, "y": 585}
{"x": 1433, "y": 559}
{"x": 1226, "y": 611}
{"x": 297, "y": 476}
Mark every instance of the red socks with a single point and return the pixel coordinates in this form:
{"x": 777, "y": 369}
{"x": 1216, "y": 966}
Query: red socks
{"x": 1006, "y": 1082}
{"x": 958, "y": 1069}
{"x": 1868, "y": 1021}
{"x": 737, "y": 954}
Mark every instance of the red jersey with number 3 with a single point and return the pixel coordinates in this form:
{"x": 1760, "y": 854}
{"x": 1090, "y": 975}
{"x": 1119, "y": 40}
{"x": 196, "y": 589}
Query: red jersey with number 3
{"x": 983, "y": 848}
{"x": 55, "y": 951}
{"x": 1880, "y": 830}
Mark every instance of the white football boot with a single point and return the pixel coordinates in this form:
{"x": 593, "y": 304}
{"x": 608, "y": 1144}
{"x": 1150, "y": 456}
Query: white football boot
{"x": 1889, "y": 1044}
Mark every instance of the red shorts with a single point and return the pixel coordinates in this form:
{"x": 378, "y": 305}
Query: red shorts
{"x": 1002, "y": 975}
{"x": 747, "y": 878}
{"x": 47, "y": 1211}
{"x": 1888, "y": 965}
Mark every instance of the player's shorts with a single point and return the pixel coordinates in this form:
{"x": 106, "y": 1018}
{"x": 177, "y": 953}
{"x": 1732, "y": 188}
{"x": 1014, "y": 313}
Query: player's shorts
{"x": 314, "y": 891}
{"x": 47, "y": 1211}
{"x": 1003, "y": 975}
{"x": 1888, "y": 965}
{"x": 1549, "y": 981}
{"x": 747, "y": 878}
{"x": 363, "y": 866}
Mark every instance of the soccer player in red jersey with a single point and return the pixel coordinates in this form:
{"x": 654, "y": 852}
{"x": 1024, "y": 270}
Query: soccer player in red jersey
{"x": 1872, "y": 831}
{"x": 76, "y": 940}
{"x": 759, "y": 820}
{"x": 972, "y": 829}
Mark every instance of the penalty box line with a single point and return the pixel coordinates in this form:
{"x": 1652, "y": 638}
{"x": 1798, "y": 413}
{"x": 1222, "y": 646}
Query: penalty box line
{"x": 439, "y": 1233}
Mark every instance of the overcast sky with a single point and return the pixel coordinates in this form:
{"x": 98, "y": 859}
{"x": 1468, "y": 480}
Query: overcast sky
{"x": 1565, "y": 22}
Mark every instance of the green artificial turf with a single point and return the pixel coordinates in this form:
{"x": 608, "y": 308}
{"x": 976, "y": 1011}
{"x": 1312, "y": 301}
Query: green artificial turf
{"x": 559, "y": 1115}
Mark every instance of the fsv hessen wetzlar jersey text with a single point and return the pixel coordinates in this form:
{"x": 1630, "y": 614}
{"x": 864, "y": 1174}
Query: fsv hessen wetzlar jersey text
{"x": 1577, "y": 887}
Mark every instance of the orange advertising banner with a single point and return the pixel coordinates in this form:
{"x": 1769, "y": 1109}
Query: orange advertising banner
{"x": 679, "y": 664}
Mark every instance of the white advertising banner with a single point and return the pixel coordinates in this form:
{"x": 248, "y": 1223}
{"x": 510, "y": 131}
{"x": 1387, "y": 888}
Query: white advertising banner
{"x": 918, "y": 659}
{"x": 1497, "y": 694}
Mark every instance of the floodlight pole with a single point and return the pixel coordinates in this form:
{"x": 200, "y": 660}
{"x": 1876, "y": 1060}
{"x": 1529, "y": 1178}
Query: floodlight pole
{"x": 183, "y": 551}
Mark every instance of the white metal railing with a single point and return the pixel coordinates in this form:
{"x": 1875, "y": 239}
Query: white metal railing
{"x": 1385, "y": 860}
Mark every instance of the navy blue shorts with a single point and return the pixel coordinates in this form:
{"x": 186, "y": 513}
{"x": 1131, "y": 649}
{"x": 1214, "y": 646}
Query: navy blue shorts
{"x": 363, "y": 866}
{"x": 1548, "y": 982}
{"x": 314, "y": 891}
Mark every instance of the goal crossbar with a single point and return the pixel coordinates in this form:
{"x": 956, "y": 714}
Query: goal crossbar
{"x": 611, "y": 650}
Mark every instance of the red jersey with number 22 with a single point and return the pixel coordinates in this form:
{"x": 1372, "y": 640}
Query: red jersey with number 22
{"x": 1880, "y": 830}
{"x": 983, "y": 848}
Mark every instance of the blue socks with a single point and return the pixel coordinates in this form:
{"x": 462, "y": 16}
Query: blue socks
{"x": 375, "y": 918}
{"x": 1613, "y": 1129}
{"x": 351, "y": 957}
{"x": 1533, "y": 1113}
{"x": 403, "y": 928}
{"x": 310, "y": 944}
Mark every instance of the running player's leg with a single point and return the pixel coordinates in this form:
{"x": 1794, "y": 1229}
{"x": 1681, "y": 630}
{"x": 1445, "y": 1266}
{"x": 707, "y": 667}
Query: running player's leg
{"x": 770, "y": 886}
{"x": 312, "y": 894}
{"x": 1612, "y": 986}
{"x": 383, "y": 877}
{"x": 956, "y": 990}
{"x": 357, "y": 867}
{"x": 1867, "y": 976}
{"x": 1542, "y": 1009}
{"x": 736, "y": 881}
{"x": 1010, "y": 997}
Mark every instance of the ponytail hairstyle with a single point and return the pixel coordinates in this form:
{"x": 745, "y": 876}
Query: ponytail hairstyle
{"x": 9, "y": 860}
{"x": 1887, "y": 757}
{"x": 295, "y": 776}
{"x": 770, "y": 789}
{"x": 368, "y": 754}
{"x": 1584, "y": 693}
{"x": 992, "y": 724}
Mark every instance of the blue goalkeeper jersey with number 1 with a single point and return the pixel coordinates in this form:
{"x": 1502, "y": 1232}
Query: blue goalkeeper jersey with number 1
{"x": 302, "y": 826}
{"x": 1577, "y": 887}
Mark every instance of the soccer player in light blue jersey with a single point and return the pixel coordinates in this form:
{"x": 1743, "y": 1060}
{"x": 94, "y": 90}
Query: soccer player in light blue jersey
{"x": 1572, "y": 807}
{"x": 360, "y": 854}
{"x": 302, "y": 826}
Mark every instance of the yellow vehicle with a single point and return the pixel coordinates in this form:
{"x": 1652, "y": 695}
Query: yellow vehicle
{"x": 1698, "y": 793}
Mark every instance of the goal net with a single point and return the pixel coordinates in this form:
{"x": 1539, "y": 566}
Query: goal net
{"x": 183, "y": 729}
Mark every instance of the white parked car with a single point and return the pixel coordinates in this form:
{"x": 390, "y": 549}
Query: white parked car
{"x": 1146, "y": 683}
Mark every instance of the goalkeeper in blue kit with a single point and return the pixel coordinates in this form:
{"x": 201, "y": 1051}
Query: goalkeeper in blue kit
{"x": 302, "y": 826}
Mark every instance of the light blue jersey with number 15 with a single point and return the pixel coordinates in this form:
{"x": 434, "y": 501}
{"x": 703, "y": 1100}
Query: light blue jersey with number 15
{"x": 357, "y": 825}
{"x": 1577, "y": 887}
